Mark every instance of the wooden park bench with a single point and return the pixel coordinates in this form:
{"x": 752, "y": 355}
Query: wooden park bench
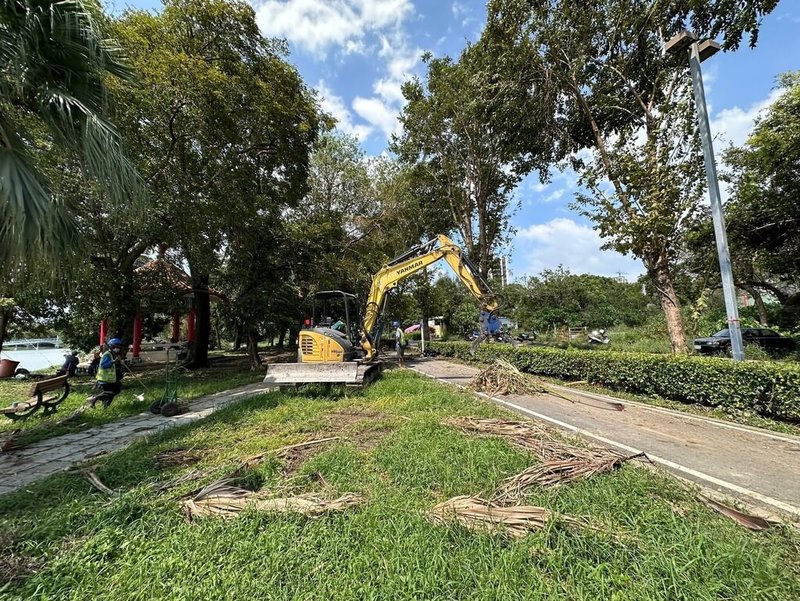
{"x": 37, "y": 399}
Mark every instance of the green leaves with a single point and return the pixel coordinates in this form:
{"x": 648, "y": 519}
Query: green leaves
{"x": 55, "y": 58}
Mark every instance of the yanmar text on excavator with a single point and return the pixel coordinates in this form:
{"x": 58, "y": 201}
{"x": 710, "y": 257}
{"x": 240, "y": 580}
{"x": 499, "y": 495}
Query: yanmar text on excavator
{"x": 345, "y": 351}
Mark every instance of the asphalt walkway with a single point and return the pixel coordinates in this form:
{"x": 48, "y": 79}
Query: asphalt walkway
{"x": 46, "y": 457}
{"x": 760, "y": 467}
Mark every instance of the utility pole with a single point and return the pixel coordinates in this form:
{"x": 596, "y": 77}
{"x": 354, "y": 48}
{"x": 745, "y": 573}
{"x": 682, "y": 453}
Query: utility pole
{"x": 698, "y": 52}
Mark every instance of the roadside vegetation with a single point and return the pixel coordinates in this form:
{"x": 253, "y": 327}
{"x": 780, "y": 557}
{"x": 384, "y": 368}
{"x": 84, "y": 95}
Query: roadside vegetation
{"x": 641, "y": 535}
{"x": 764, "y": 388}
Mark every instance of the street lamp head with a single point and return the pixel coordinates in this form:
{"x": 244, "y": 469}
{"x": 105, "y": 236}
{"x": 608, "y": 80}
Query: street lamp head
{"x": 680, "y": 42}
{"x": 707, "y": 49}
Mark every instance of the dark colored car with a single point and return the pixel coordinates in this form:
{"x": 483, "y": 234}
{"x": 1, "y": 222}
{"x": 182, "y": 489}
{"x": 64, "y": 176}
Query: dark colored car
{"x": 767, "y": 339}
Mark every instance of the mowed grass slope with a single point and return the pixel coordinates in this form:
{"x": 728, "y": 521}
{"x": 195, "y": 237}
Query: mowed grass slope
{"x": 649, "y": 539}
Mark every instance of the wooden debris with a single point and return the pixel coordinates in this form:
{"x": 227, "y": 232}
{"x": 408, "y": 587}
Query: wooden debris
{"x": 176, "y": 457}
{"x": 94, "y": 480}
{"x": 475, "y": 513}
{"x": 283, "y": 450}
{"x": 222, "y": 499}
{"x": 189, "y": 476}
{"x": 555, "y": 473}
{"x": 751, "y": 522}
{"x": 502, "y": 378}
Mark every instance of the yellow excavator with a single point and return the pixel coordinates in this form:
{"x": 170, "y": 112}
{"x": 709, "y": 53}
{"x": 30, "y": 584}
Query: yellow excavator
{"x": 335, "y": 347}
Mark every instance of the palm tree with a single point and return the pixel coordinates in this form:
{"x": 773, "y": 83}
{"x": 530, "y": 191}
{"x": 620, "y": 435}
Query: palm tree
{"x": 53, "y": 61}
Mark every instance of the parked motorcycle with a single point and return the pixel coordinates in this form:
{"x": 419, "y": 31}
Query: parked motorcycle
{"x": 599, "y": 337}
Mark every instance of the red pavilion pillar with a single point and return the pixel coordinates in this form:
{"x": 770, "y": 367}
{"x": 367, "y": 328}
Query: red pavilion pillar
{"x": 137, "y": 335}
{"x": 176, "y": 328}
{"x": 103, "y": 329}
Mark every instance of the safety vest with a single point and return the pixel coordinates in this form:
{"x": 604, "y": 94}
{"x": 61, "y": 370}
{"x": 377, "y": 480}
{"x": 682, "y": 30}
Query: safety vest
{"x": 107, "y": 374}
{"x": 402, "y": 338}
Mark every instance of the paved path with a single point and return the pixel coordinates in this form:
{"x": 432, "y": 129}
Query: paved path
{"x": 47, "y": 457}
{"x": 758, "y": 466}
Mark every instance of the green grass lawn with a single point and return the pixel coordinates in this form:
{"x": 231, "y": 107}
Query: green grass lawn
{"x": 62, "y": 539}
{"x": 193, "y": 384}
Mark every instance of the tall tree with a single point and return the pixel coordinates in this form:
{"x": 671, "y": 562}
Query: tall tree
{"x": 763, "y": 214}
{"x": 619, "y": 96}
{"x": 457, "y": 128}
{"x": 222, "y": 126}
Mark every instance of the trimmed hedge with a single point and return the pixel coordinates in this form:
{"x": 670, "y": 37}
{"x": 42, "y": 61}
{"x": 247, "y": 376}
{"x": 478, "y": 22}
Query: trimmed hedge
{"x": 771, "y": 389}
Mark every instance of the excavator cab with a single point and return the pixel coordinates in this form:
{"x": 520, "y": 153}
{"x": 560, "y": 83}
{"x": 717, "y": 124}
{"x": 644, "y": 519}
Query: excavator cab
{"x": 329, "y": 349}
{"x": 336, "y": 310}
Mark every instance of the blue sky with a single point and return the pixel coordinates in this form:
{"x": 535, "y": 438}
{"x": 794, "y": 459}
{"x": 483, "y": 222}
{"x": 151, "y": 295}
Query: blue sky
{"x": 357, "y": 53}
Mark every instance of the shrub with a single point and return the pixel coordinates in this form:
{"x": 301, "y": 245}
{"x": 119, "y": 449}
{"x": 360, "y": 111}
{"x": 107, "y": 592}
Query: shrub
{"x": 771, "y": 389}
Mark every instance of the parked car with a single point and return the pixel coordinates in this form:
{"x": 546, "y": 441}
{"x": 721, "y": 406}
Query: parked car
{"x": 767, "y": 339}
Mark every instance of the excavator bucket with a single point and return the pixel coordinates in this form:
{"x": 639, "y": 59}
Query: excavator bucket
{"x": 349, "y": 373}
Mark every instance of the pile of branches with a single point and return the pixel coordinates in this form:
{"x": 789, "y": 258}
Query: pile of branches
{"x": 526, "y": 435}
{"x": 557, "y": 473}
{"x": 562, "y": 463}
{"x": 475, "y": 513}
{"x": 502, "y": 378}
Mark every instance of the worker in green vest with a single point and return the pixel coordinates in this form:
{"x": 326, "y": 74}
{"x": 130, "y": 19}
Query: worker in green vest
{"x": 108, "y": 380}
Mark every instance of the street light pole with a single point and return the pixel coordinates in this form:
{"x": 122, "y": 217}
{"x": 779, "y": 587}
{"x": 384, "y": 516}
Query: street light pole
{"x": 698, "y": 52}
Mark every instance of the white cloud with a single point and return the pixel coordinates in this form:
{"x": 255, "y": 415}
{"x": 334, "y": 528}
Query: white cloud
{"x": 378, "y": 113}
{"x": 351, "y": 27}
{"x": 335, "y": 106}
{"x": 563, "y": 241}
{"x": 383, "y": 109}
{"x": 317, "y": 25}
{"x": 459, "y": 9}
{"x": 555, "y": 195}
{"x": 733, "y": 125}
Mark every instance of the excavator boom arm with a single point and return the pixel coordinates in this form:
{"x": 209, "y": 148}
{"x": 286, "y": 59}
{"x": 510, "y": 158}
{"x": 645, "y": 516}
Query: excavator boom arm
{"x": 414, "y": 261}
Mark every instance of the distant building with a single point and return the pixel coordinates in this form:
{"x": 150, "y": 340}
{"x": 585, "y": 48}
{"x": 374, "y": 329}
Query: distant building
{"x": 500, "y": 273}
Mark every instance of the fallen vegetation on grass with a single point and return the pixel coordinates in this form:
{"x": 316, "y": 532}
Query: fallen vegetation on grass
{"x": 225, "y": 500}
{"x": 751, "y": 522}
{"x": 95, "y": 481}
{"x": 556, "y": 473}
{"x": 530, "y": 436}
{"x": 475, "y": 513}
{"x": 177, "y": 458}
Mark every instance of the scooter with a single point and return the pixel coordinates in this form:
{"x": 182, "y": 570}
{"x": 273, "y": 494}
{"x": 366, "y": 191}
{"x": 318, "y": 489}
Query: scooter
{"x": 599, "y": 337}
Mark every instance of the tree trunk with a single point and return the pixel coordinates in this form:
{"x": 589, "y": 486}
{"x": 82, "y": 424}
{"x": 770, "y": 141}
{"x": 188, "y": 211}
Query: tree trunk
{"x": 281, "y": 338}
{"x": 202, "y": 305}
{"x": 124, "y": 305}
{"x": 670, "y": 304}
{"x": 294, "y": 333}
{"x": 761, "y": 308}
{"x": 5, "y": 318}
{"x": 237, "y": 338}
{"x": 252, "y": 350}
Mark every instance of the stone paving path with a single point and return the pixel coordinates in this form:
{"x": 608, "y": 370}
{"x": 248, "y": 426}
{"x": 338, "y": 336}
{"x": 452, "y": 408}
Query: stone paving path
{"x": 47, "y": 457}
